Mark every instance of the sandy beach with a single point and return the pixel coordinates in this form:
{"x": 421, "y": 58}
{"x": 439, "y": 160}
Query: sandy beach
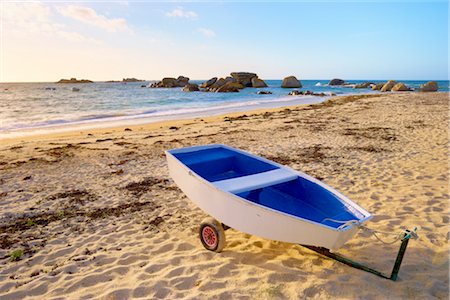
{"x": 94, "y": 214}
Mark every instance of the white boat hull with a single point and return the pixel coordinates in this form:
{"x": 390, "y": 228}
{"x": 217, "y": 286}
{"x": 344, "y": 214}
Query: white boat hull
{"x": 252, "y": 218}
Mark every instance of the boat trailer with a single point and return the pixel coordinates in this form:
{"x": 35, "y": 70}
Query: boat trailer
{"x": 398, "y": 261}
{"x": 212, "y": 236}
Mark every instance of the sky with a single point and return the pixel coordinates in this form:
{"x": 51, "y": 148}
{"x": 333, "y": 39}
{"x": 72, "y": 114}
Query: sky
{"x": 105, "y": 40}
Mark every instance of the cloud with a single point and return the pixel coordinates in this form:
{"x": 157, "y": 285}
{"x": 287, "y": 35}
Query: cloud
{"x": 89, "y": 16}
{"x": 34, "y": 19}
{"x": 207, "y": 32}
{"x": 179, "y": 12}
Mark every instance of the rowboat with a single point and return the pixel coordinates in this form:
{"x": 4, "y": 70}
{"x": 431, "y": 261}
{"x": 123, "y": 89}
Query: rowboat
{"x": 260, "y": 197}
{"x": 263, "y": 198}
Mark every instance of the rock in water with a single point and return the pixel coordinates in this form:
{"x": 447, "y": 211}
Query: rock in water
{"x": 182, "y": 81}
{"x": 336, "y": 81}
{"x": 400, "y": 87}
{"x": 291, "y": 82}
{"x": 131, "y": 80}
{"x": 388, "y": 86}
{"x": 168, "y": 82}
{"x": 258, "y": 83}
{"x": 363, "y": 85}
{"x": 213, "y": 87}
{"x": 230, "y": 79}
{"x": 228, "y": 87}
{"x": 208, "y": 83}
{"x": 190, "y": 87}
{"x": 295, "y": 93}
{"x": 74, "y": 80}
{"x": 430, "y": 86}
{"x": 377, "y": 87}
{"x": 264, "y": 93}
{"x": 244, "y": 78}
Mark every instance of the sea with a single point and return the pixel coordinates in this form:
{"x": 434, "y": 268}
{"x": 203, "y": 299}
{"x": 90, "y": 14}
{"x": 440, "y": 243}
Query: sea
{"x": 29, "y": 108}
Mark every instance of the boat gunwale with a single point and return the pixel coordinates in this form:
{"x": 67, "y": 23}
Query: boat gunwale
{"x": 340, "y": 197}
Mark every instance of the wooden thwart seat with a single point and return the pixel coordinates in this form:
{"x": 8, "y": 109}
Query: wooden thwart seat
{"x": 256, "y": 181}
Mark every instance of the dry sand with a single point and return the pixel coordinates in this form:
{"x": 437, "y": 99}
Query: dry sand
{"x": 97, "y": 216}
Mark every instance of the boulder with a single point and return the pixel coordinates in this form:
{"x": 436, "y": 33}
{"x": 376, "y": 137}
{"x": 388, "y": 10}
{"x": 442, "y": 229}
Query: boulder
{"x": 264, "y": 93}
{"x": 291, "y": 82}
{"x": 190, "y": 87}
{"x": 295, "y": 93}
{"x": 400, "y": 87}
{"x": 230, "y": 87}
{"x": 244, "y": 78}
{"x": 182, "y": 81}
{"x": 230, "y": 79}
{"x": 258, "y": 83}
{"x": 306, "y": 93}
{"x": 216, "y": 85}
{"x": 430, "y": 86}
{"x": 336, "y": 81}
{"x": 377, "y": 86}
{"x": 168, "y": 82}
{"x": 208, "y": 83}
{"x": 363, "y": 85}
{"x": 388, "y": 86}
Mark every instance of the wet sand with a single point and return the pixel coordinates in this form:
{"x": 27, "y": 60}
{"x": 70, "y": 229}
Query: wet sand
{"x": 96, "y": 215}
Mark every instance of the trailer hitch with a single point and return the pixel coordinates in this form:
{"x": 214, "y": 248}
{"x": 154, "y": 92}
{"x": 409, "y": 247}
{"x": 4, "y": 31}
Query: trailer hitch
{"x": 398, "y": 261}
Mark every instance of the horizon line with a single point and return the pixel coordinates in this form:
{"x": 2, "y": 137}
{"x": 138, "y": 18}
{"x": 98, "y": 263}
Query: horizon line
{"x": 191, "y": 79}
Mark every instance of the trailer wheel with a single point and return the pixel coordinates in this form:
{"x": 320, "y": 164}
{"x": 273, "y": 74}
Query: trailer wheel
{"x": 212, "y": 235}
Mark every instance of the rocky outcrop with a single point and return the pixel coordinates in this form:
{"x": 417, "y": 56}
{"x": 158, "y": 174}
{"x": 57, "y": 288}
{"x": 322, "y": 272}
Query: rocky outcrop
{"x": 233, "y": 83}
{"x": 258, "y": 83}
{"x": 231, "y": 79}
{"x": 229, "y": 87}
{"x": 132, "y": 80}
{"x": 244, "y": 78}
{"x": 388, "y": 86}
{"x": 208, "y": 83}
{"x": 125, "y": 80}
{"x": 191, "y": 87}
{"x": 377, "y": 86}
{"x": 218, "y": 83}
{"x": 169, "y": 82}
{"x": 182, "y": 81}
{"x": 430, "y": 86}
{"x": 305, "y": 93}
{"x": 400, "y": 87}
{"x": 364, "y": 85}
{"x": 291, "y": 82}
{"x": 74, "y": 80}
{"x": 336, "y": 81}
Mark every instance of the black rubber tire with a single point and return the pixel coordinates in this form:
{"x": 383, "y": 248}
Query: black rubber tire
{"x": 213, "y": 229}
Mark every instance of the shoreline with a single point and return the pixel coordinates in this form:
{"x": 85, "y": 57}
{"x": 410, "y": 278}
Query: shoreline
{"x": 67, "y": 130}
{"x": 134, "y": 123}
{"x": 141, "y": 119}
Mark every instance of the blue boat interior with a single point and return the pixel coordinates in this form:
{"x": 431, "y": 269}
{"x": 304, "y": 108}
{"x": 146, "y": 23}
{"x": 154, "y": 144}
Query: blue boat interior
{"x": 297, "y": 196}
{"x": 214, "y": 164}
{"x": 303, "y": 198}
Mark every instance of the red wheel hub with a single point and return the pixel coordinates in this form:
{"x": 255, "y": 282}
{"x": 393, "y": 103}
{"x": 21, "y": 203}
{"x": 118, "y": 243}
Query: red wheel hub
{"x": 209, "y": 236}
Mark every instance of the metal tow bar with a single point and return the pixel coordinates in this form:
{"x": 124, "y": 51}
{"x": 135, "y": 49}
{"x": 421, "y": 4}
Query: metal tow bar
{"x": 353, "y": 264}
